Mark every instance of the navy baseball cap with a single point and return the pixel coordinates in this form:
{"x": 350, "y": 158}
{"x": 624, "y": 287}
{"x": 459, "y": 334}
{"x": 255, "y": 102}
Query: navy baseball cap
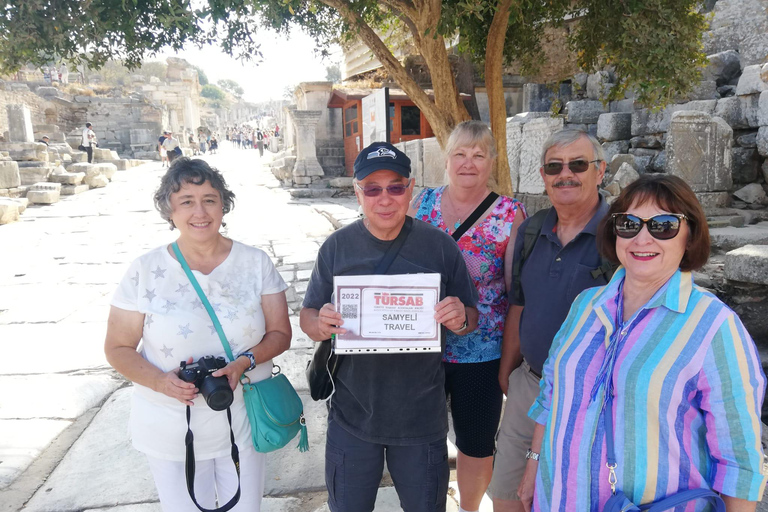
{"x": 381, "y": 156}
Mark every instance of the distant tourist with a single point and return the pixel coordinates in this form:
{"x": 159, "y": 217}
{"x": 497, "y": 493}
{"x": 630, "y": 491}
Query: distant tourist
{"x": 156, "y": 321}
{"x": 214, "y": 145}
{"x": 193, "y": 144}
{"x": 163, "y": 153}
{"x": 172, "y": 146}
{"x": 89, "y": 141}
{"x": 44, "y": 139}
{"x": 260, "y": 142}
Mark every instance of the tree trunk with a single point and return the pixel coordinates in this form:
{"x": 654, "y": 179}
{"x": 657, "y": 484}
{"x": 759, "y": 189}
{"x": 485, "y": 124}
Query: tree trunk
{"x": 494, "y": 55}
{"x": 447, "y": 110}
{"x": 465, "y": 83}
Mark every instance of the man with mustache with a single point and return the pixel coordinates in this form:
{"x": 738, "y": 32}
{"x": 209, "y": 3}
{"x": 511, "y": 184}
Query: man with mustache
{"x": 563, "y": 261}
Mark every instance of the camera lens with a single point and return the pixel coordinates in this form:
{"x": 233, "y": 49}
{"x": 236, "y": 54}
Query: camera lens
{"x": 217, "y": 393}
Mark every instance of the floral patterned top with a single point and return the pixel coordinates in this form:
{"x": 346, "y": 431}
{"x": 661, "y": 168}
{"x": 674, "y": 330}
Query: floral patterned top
{"x": 483, "y": 247}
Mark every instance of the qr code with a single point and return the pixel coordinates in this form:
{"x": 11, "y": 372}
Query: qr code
{"x": 349, "y": 311}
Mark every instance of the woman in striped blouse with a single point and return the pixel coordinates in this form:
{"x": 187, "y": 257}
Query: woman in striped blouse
{"x": 684, "y": 373}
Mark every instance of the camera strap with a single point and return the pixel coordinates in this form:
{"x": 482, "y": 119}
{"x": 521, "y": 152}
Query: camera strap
{"x": 190, "y": 466}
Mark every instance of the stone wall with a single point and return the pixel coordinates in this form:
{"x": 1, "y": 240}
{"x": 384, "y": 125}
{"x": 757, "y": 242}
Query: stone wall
{"x": 37, "y": 106}
{"x": 740, "y": 25}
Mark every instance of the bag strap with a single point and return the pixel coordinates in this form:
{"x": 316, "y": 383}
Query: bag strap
{"x": 190, "y": 466}
{"x": 470, "y": 221}
{"x": 203, "y": 299}
{"x": 531, "y": 234}
{"x": 668, "y": 503}
{"x": 394, "y": 249}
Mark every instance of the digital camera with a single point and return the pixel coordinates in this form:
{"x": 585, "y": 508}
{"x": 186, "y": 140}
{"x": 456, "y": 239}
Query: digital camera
{"x": 216, "y": 391}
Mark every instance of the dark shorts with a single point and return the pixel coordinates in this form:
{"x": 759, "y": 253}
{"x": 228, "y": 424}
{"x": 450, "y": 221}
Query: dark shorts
{"x": 353, "y": 471}
{"x": 475, "y": 403}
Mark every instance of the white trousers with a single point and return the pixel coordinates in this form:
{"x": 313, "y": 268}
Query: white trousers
{"x": 213, "y": 478}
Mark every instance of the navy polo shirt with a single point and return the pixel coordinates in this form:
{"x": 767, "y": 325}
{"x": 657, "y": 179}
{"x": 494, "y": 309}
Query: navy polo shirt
{"x": 551, "y": 277}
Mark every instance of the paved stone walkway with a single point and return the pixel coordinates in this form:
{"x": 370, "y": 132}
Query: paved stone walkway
{"x": 63, "y": 411}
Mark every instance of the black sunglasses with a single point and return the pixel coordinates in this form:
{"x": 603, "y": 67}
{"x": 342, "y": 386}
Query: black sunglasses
{"x": 397, "y": 189}
{"x": 577, "y": 166}
{"x": 664, "y": 226}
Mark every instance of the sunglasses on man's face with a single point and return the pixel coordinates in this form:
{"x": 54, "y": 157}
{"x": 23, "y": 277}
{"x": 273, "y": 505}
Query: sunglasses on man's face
{"x": 577, "y": 166}
{"x": 396, "y": 189}
{"x": 664, "y": 226}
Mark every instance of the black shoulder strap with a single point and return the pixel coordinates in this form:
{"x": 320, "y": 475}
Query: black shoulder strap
{"x": 190, "y": 467}
{"x": 394, "y": 249}
{"x": 532, "y": 231}
{"x": 606, "y": 269}
{"x": 469, "y": 222}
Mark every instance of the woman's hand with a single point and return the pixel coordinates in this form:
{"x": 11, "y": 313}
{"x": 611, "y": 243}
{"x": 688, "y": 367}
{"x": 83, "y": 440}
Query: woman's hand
{"x": 233, "y": 371}
{"x": 171, "y": 385}
{"x": 527, "y": 484}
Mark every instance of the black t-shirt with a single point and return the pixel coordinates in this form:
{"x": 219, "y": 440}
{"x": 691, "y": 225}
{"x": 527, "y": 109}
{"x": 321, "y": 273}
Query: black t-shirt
{"x": 396, "y": 399}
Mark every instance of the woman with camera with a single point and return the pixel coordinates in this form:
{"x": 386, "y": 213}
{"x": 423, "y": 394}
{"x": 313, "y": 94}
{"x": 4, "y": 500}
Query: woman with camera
{"x": 157, "y": 305}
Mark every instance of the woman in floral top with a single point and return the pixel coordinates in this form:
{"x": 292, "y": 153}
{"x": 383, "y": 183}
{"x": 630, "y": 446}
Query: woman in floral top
{"x": 472, "y": 360}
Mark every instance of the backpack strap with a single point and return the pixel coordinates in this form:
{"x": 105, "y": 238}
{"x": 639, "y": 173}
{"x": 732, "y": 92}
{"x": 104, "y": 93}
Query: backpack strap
{"x": 606, "y": 269}
{"x": 532, "y": 231}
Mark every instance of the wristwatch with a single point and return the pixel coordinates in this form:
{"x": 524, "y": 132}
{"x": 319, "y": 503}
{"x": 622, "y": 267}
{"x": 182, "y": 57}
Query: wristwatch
{"x": 463, "y": 326}
{"x": 532, "y": 455}
{"x": 249, "y": 355}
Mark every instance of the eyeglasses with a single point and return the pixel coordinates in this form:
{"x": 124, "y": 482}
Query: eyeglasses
{"x": 396, "y": 189}
{"x": 577, "y": 166}
{"x": 664, "y": 226}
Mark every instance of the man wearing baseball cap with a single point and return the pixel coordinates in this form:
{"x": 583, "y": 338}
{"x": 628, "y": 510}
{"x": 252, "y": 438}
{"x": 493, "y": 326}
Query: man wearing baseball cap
{"x": 387, "y": 406}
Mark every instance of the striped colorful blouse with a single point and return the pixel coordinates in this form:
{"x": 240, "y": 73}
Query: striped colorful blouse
{"x": 688, "y": 392}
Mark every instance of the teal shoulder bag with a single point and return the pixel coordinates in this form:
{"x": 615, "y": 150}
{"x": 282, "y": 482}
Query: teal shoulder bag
{"x": 275, "y": 410}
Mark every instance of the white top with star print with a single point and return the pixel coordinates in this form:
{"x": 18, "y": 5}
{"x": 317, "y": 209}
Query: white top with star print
{"x": 177, "y": 326}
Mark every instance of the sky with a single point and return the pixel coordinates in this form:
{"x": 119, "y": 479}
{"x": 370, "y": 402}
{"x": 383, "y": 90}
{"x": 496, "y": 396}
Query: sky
{"x": 285, "y": 63}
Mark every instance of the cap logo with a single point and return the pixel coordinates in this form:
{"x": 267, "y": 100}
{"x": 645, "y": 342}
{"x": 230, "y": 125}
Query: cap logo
{"x": 381, "y": 153}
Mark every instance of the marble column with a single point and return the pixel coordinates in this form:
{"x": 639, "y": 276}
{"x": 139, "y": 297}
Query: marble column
{"x": 307, "y": 164}
{"x": 19, "y": 123}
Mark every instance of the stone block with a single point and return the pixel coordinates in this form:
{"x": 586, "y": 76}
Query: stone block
{"x": 739, "y": 111}
{"x": 535, "y": 133}
{"x": 584, "y": 111}
{"x": 762, "y": 141}
{"x": 342, "y": 182}
{"x": 96, "y": 181}
{"x": 704, "y": 90}
{"x": 26, "y": 151}
{"x": 625, "y": 175}
{"x": 44, "y": 193}
{"x": 19, "y": 123}
{"x": 746, "y": 165}
{"x": 611, "y": 149}
{"x": 36, "y": 174}
{"x": 80, "y": 167}
{"x": 599, "y": 85}
{"x": 714, "y": 199}
{"x": 747, "y": 140}
{"x": 122, "y": 165}
{"x": 414, "y": 151}
{"x": 658, "y": 163}
{"x": 648, "y": 141}
{"x": 537, "y": 97}
{"x": 70, "y": 190}
{"x": 614, "y": 126}
{"x": 22, "y": 202}
{"x": 751, "y": 81}
{"x": 762, "y": 109}
{"x": 619, "y": 160}
{"x": 107, "y": 169}
{"x": 514, "y": 141}
{"x": 434, "y": 163}
{"x": 698, "y": 151}
{"x": 723, "y": 67}
{"x": 9, "y": 211}
{"x": 9, "y": 174}
{"x": 648, "y": 122}
{"x": 70, "y": 178}
{"x": 748, "y": 264}
{"x": 752, "y": 194}
{"x": 622, "y": 106}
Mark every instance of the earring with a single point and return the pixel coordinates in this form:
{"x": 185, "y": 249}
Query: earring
{"x": 173, "y": 226}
